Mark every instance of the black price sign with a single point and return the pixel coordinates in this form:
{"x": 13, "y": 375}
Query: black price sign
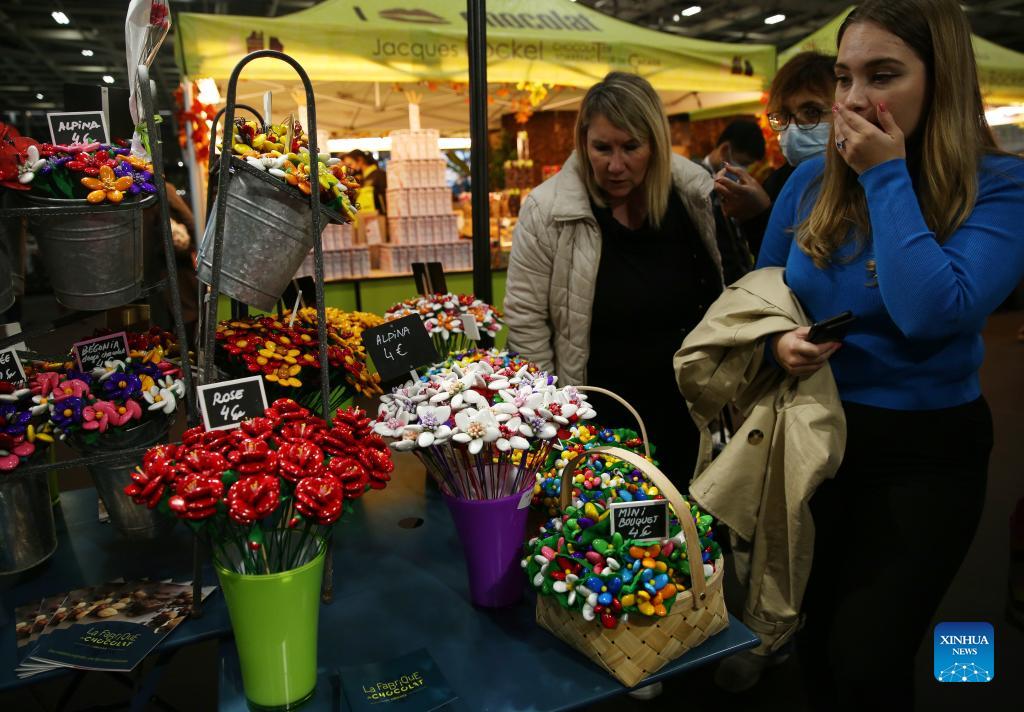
{"x": 93, "y": 353}
{"x": 67, "y": 127}
{"x": 640, "y": 521}
{"x": 226, "y": 404}
{"x": 10, "y": 367}
{"x": 399, "y": 346}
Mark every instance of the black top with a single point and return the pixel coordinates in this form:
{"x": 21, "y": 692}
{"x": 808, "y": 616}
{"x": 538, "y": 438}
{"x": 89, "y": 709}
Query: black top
{"x": 753, "y": 229}
{"x": 653, "y": 286}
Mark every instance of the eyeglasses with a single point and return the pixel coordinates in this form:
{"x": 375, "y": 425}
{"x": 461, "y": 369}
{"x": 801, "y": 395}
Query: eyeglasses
{"x": 806, "y": 119}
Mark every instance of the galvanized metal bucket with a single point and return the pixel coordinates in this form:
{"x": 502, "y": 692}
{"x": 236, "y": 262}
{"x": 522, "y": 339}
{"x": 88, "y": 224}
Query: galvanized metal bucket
{"x": 134, "y": 521}
{"x": 28, "y": 533}
{"x": 93, "y": 256}
{"x": 266, "y": 237}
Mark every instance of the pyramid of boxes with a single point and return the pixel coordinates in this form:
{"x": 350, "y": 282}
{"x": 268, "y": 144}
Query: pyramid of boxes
{"x": 421, "y": 224}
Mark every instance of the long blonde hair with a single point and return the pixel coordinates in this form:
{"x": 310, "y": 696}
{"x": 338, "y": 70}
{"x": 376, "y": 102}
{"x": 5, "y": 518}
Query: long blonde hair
{"x": 629, "y": 103}
{"x": 952, "y": 137}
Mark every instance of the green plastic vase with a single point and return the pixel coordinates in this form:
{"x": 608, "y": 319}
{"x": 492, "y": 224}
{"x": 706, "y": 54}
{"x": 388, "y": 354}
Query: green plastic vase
{"x": 274, "y": 618}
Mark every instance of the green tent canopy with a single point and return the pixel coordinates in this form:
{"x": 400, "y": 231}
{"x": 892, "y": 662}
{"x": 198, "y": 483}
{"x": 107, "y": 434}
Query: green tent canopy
{"x": 555, "y": 42}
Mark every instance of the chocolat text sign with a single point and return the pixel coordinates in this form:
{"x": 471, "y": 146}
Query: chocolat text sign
{"x": 95, "y": 352}
{"x": 67, "y": 127}
{"x": 10, "y": 367}
{"x": 399, "y": 346}
{"x": 226, "y": 404}
{"x": 640, "y": 521}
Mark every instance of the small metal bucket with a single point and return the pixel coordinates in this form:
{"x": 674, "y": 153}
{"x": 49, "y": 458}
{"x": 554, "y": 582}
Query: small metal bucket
{"x": 266, "y": 237}
{"x": 134, "y": 521}
{"x": 93, "y": 256}
{"x": 28, "y": 533}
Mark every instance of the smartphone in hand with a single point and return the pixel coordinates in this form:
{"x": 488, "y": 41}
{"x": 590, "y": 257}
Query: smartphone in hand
{"x": 831, "y": 329}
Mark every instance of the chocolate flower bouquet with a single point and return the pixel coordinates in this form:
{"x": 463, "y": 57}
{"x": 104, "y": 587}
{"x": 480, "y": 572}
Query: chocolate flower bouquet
{"x": 282, "y": 151}
{"x": 244, "y": 490}
{"x": 286, "y": 353}
{"x": 443, "y": 316}
{"x": 25, "y": 430}
{"x": 483, "y": 424}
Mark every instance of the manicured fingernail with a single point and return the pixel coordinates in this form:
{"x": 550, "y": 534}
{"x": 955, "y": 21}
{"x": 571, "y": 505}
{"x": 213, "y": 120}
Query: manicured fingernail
{"x": 881, "y": 106}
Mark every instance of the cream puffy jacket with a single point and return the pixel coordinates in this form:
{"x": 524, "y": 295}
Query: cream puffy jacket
{"x": 556, "y": 251}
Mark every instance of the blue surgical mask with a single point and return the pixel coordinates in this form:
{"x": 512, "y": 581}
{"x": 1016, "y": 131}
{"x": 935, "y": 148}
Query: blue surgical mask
{"x": 798, "y": 144}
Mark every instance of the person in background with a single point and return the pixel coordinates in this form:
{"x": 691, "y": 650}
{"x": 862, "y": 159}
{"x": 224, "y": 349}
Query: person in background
{"x": 911, "y": 220}
{"x": 798, "y": 109}
{"x": 614, "y": 261}
{"x": 374, "y": 192}
{"x": 739, "y": 145}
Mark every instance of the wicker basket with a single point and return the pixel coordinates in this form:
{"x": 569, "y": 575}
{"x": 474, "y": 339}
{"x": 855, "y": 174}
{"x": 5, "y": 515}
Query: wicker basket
{"x": 640, "y": 647}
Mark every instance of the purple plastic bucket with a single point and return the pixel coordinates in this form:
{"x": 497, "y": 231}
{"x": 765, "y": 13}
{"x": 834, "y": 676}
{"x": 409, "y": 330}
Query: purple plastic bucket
{"x": 492, "y": 532}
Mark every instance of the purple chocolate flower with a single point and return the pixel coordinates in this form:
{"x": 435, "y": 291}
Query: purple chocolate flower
{"x": 67, "y": 412}
{"x": 141, "y": 180}
{"x": 14, "y": 421}
{"x": 122, "y": 386}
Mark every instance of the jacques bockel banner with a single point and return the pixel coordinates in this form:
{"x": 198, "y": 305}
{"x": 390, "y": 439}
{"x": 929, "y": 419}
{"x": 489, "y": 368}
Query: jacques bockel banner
{"x": 552, "y": 42}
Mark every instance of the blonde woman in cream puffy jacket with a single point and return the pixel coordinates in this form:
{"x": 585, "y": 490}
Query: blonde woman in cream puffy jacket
{"x": 622, "y": 196}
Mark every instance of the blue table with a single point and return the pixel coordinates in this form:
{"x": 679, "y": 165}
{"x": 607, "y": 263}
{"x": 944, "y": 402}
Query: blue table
{"x": 398, "y": 589}
{"x": 400, "y": 585}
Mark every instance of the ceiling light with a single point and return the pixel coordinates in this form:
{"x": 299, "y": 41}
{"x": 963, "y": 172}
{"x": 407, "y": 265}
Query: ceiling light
{"x": 60, "y": 18}
{"x": 108, "y": 79}
{"x": 774, "y": 19}
{"x": 692, "y": 10}
{"x": 675, "y": 18}
{"x": 87, "y": 52}
{"x": 39, "y": 96}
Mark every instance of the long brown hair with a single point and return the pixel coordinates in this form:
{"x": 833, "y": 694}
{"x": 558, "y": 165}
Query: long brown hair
{"x": 950, "y": 141}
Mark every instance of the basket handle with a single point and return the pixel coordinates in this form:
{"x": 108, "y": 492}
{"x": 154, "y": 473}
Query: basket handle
{"x": 631, "y": 409}
{"x": 693, "y": 549}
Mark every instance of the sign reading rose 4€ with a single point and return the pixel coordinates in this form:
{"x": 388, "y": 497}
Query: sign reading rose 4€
{"x": 226, "y": 404}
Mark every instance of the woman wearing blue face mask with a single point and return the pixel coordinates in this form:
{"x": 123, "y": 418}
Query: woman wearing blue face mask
{"x": 799, "y": 109}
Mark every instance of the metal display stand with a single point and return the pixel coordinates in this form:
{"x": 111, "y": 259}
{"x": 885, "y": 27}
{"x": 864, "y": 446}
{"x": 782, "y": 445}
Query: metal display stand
{"x": 226, "y": 172}
{"x": 171, "y": 283}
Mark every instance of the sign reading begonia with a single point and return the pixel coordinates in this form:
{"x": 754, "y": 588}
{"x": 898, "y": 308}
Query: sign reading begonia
{"x": 94, "y": 353}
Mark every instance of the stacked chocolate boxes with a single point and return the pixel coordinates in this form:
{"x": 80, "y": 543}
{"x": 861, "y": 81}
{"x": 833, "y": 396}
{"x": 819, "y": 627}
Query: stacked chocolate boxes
{"x": 421, "y": 224}
{"x": 343, "y": 259}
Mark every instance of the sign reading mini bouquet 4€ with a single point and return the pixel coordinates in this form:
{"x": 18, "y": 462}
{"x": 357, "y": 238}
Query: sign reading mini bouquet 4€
{"x": 226, "y": 404}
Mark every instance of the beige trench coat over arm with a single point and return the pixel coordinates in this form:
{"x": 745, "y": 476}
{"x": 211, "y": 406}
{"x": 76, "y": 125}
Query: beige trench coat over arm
{"x": 791, "y": 440}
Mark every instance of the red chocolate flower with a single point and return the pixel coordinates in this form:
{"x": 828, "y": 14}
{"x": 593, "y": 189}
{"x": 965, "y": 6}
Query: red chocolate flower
{"x": 253, "y": 457}
{"x": 260, "y": 428}
{"x": 253, "y": 498}
{"x": 353, "y": 476}
{"x": 319, "y": 499}
{"x": 149, "y": 484}
{"x": 203, "y": 462}
{"x": 311, "y": 430}
{"x": 196, "y": 496}
{"x": 287, "y": 409}
{"x": 300, "y": 459}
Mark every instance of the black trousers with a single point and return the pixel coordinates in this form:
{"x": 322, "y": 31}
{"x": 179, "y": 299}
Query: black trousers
{"x": 892, "y": 529}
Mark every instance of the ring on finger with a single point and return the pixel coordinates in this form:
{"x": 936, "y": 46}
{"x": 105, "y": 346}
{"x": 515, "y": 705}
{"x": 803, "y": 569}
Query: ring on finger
{"x": 841, "y": 144}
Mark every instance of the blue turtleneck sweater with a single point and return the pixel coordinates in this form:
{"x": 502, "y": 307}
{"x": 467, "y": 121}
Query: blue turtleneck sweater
{"x": 920, "y": 306}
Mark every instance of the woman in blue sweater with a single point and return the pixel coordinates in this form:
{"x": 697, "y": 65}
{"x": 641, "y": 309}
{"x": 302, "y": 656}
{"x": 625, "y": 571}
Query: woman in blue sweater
{"x": 914, "y": 221}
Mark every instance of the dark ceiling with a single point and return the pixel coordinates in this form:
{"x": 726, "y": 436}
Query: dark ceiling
{"x": 40, "y": 55}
